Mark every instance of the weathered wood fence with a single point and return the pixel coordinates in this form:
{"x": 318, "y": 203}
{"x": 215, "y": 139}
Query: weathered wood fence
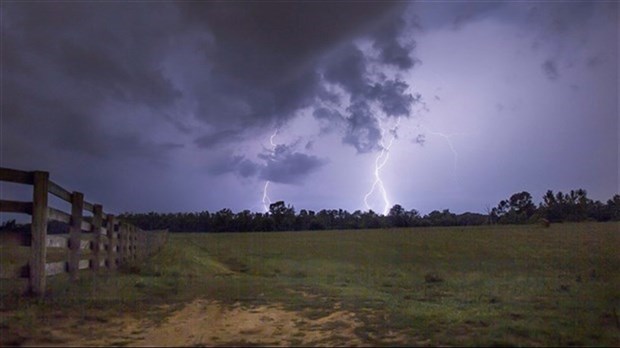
{"x": 100, "y": 241}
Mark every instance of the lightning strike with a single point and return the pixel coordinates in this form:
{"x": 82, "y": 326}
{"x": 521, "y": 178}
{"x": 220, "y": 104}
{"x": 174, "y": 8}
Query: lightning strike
{"x": 266, "y": 199}
{"x": 380, "y": 162}
{"x": 448, "y": 138}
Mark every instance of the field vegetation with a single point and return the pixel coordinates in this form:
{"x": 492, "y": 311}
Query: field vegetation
{"x": 480, "y": 285}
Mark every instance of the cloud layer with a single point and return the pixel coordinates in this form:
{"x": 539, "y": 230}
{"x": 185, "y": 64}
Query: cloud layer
{"x": 184, "y": 94}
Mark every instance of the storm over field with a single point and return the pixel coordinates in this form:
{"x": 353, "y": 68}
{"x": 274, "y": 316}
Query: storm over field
{"x": 186, "y": 106}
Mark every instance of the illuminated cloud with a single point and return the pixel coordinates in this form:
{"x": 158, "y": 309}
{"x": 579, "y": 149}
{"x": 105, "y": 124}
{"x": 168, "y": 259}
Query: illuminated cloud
{"x": 176, "y": 99}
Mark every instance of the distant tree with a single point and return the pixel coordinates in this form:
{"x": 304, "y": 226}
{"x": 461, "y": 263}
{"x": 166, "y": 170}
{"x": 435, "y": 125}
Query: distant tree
{"x": 204, "y": 221}
{"x": 222, "y": 221}
{"x": 471, "y": 219}
{"x": 9, "y": 225}
{"x": 397, "y": 216}
{"x": 264, "y": 223}
{"x": 441, "y": 218}
{"x": 413, "y": 217}
{"x": 500, "y": 211}
{"x": 244, "y": 221}
{"x": 283, "y": 216}
{"x": 598, "y": 211}
{"x": 613, "y": 205}
{"x": 522, "y": 204}
{"x": 370, "y": 219}
{"x": 519, "y": 208}
{"x": 552, "y": 206}
{"x": 580, "y": 203}
{"x": 573, "y": 206}
{"x": 354, "y": 221}
{"x": 302, "y": 220}
{"x": 490, "y": 217}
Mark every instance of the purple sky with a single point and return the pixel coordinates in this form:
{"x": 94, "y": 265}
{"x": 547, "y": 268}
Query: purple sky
{"x": 186, "y": 106}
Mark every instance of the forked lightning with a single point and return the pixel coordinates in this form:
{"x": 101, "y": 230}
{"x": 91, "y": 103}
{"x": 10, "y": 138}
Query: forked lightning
{"x": 380, "y": 162}
{"x": 266, "y": 199}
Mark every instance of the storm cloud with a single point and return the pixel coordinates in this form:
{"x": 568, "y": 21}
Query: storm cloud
{"x": 256, "y": 73}
{"x": 267, "y": 66}
{"x": 287, "y": 166}
{"x": 283, "y": 165}
{"x": 60, "y": 76}
{"x": 171, "y": 96}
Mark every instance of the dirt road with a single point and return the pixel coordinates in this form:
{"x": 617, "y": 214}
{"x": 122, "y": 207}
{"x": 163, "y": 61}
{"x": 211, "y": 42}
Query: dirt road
{"x": 208, "y": 323}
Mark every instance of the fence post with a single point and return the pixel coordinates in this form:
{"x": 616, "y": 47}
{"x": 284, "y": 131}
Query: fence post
{"x": 142, "y": 244}
{"x": 135, "y": 243}
{"x": 97, "y": 219}
{"x": 126, "y": 252}
{"x": 75, "y": 232}
{"x": 138, "y": 244}
{"x": 131, "y": 243}
{"x": 111, "y": 242}
{"x": 129, "y": 237}
{"x": 38, "y": 230}
{"x": 122, "y": 232}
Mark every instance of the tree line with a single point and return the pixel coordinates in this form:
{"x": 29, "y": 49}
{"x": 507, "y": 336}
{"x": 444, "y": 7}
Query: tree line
{"x": 519, "y": 208}
{"x": 572, "y": 206}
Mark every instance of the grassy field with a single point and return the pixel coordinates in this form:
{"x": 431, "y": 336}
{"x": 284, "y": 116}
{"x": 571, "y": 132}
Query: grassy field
{"x": 491, "y": 285}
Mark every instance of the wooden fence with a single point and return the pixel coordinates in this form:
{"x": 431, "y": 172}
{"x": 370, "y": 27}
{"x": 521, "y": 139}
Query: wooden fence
{"x": 93, "y": 242}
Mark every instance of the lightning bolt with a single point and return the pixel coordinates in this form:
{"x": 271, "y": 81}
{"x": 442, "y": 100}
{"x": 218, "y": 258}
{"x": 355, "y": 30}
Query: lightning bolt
{"x": 266, "y": 199}
{"x": 380, "y": 162}
{"x": 448, "y": 138}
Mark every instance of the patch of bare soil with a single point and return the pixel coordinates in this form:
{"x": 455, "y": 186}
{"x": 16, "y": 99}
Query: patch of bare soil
{"x": 207, "y": 323}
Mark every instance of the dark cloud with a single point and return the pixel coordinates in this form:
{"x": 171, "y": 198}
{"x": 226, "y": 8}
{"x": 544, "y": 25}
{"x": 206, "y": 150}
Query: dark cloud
{"x": 234, "y": 164}
{"x": 594, "y": 61}
{"x": 550, "y": 69}
{"x": 347, "y": 68}
{"x": 323, "y": 113}
{"x": 420, "y": 139}
{"x": 262, "y": 87}
{"x": 96, "y": 59}
{"x": 466, "y": 12}
{"x": 281, "y": 37}
{"x": 286, "y": 166}
{"x": 114, "y": 92}
{"x": 362, "y": 131}
{"x": 282, "y": 164}
{"x": 391, "y": 51}
{"x": 215, "y": 139}
{"x": 431, "y": 16}
{"x": 64, "y": 67}
{"x": 229, "y": 65}
{"x": 330, "y": 119}
{"x": 264, "y": 67}
{"x": 132, "y": 83}
{"x": 73, "y": 128}
{"x": 97, "y": 69}
{"x": 393, "y": 97}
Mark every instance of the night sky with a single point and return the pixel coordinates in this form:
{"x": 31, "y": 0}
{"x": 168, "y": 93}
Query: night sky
{"x": 192, "y": 106}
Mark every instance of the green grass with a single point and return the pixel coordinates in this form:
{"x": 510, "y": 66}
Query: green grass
{"x": 500, "y": 285}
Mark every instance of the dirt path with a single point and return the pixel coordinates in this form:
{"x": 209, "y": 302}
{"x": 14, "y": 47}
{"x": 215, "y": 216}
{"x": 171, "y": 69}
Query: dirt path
{"x": 207, "y": 323}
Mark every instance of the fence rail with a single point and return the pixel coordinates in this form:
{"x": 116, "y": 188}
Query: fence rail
{"x": 93, "y": 243}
